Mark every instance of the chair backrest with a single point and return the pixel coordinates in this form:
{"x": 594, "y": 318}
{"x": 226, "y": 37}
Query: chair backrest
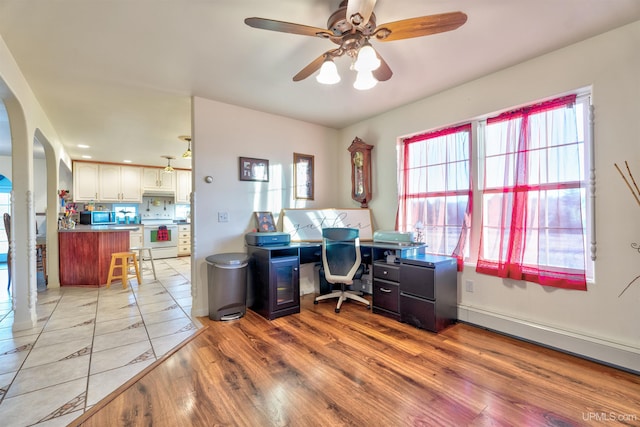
{"x": 340, "y": 253}
{"x": 7, "y": 226}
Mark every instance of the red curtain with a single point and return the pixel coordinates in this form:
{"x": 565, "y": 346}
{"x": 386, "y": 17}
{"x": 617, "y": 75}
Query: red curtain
{"x": 533, "y": 196}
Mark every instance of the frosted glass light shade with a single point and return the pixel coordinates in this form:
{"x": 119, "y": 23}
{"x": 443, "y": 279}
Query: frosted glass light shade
{"x": 365, "y": 80}
{"x": 328, "y": 73}
{"x": 367, "y": 59}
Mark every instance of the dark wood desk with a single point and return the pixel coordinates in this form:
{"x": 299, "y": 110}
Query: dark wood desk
{"x": 273, "y": 288}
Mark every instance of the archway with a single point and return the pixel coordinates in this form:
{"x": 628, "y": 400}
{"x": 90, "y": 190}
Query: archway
{"x": 5, "y": 207}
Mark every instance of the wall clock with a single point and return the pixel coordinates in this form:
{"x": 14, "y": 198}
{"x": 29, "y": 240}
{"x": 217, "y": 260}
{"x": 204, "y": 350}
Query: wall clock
{"x": 360, "y": 171}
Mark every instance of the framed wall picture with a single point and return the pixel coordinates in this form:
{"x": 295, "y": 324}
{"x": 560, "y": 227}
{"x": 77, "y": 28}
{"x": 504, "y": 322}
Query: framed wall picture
{"x": 254, "y": 169}
{"x": 303, "y": 176}
{"x": 265, "y": 222}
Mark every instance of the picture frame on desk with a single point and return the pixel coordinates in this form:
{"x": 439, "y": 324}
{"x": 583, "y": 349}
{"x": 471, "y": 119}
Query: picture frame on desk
{"x": 303, "y": 176}
{"x": 253, "y": 169}
{"x": 265, "y": 222}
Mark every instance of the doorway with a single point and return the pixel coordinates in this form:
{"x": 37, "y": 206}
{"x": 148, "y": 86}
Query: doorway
{"x": 5, "y": 207}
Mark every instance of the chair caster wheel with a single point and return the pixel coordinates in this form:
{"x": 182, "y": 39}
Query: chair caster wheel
{"x": 337, "y": 310}
{"x": 315, "y": 302}
{"x": 368, "y": 307}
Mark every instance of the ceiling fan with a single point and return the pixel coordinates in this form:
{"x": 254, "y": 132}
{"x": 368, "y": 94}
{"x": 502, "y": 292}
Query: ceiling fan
{"x": 350, "y": 27}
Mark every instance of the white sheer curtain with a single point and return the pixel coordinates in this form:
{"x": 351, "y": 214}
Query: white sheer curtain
{"x": 435, "y": 189}
{"x": 533, "y": 199}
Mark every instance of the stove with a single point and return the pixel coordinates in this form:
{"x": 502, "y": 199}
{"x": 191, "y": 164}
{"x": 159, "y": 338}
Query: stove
{"x": 163, "y": 241}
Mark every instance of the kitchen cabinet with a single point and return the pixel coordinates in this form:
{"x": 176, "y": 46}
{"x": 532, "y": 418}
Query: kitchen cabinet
{"x": 136, "y": 237}
{"x": 184, "y": 239}
{"x": 157, "y": 180}
{"x": 85, "y": 181}
{"x": 183, "y": 187}
{"x": 85, "y": 254}
{"x": 120, "y": 184}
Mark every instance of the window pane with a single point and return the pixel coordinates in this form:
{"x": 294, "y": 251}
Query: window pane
{"x": 436, "y": 178}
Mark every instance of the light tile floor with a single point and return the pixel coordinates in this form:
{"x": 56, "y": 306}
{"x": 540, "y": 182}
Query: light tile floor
{"x": 88, "y": 342}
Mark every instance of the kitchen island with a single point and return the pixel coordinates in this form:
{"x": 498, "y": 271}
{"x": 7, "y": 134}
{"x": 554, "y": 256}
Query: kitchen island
{"x": 85, "y": 252}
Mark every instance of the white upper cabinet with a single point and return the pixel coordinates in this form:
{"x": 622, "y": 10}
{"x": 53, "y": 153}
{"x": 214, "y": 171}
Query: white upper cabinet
{"x": 85, "y": 182}
{"x": 183, "y": 186}
{"x": 157, "y": 180}
{"x": 120, "y": 184}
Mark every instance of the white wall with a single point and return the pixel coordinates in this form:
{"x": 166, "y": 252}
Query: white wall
{"x": 610, "y": 63}
{"x": 222, "y": 133}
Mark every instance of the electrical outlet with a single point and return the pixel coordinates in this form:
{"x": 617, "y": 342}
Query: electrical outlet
{"x": 469, "y": 285}
{"x": 223, "y": 217}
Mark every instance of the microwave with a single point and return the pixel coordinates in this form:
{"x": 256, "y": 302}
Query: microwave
{"x": 97, "y": 217}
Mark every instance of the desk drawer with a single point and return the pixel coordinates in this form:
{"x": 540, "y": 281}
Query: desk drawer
{"x": 418, "y": 312}
{"x": 382, "y": 270}
{"x": 385, "y": 295}
{"x": 419, "y": 281}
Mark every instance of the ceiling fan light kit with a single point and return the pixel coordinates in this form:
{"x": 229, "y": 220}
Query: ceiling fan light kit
{"x": 367, "y": 59}
{"x": 365, "y": 80}
{"x": 350, "y": 27}
{"x": 328, "y": 74}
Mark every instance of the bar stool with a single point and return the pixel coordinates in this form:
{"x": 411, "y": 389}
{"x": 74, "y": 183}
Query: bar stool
{"x": 141, "y": 250}
{"x": 126, "y": 259}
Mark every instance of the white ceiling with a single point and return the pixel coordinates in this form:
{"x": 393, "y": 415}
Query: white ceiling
{"x": 118, "y": 75}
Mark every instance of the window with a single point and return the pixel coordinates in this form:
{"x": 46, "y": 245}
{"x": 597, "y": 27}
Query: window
{"x": 533, "y": 195}
{"x": 435, "y": 190}
{"x": 125, "y": 211}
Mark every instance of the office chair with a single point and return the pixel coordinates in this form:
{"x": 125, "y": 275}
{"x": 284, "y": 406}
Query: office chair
{"x": 341, "y": 260}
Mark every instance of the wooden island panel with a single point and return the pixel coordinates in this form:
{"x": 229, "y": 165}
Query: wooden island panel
{"x": 85, "y": 255}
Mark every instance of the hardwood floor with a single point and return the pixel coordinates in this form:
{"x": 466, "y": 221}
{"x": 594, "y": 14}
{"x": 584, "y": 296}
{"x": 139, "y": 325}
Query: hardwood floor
{"x": 356, "y": 368}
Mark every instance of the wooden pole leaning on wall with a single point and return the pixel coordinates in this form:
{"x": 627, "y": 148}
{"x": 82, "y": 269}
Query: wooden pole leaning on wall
{"x": 636, "y": 191}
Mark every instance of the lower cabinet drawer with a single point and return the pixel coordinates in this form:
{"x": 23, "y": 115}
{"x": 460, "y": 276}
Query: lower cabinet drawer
{"x": 418, "y": 312}
{"x": 385, "y": 295}
{"x": 386, "y": 271}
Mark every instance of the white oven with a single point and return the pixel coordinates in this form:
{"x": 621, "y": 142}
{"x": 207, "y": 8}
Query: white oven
{"x": 162, "y": 239}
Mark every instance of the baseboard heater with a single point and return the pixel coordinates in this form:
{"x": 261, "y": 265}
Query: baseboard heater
{"x": 586, "y": 347}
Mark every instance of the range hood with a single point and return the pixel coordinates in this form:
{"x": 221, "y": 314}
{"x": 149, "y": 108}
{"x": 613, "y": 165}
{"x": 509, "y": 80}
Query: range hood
{"x": 159, "y": 193}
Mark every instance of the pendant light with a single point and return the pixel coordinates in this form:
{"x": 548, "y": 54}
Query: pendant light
{"x": 168, "y": 168}
{"x": 187, "y": 139}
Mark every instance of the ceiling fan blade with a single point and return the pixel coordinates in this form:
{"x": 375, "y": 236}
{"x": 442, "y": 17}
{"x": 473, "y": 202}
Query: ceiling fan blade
{"x": 315, "y": 65}
{"x": 363, "y": 8}
{"x": 383, "y": 72}
{"x": 287, "y": 27}
{"x": 420, "y": 26}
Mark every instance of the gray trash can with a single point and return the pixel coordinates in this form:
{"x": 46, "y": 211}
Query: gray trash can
{"x": 227, "y": 285}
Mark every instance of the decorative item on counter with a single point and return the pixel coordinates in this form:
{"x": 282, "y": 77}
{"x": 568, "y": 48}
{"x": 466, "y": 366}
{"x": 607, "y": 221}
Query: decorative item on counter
{"x": 419, "y": 228}
{"x": 64, "y": 196}
{"x": 67, "y": 222}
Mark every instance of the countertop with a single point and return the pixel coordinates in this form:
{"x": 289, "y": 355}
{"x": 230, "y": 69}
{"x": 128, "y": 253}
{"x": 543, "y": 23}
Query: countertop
{"x": 80, "y": 228}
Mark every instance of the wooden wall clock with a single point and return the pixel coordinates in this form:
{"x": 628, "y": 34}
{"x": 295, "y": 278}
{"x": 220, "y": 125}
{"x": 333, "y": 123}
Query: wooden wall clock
{"x": 360, "y": 171}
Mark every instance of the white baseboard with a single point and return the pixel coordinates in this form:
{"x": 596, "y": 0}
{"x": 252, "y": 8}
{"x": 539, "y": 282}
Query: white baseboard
{"x": 588, "y": 347}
